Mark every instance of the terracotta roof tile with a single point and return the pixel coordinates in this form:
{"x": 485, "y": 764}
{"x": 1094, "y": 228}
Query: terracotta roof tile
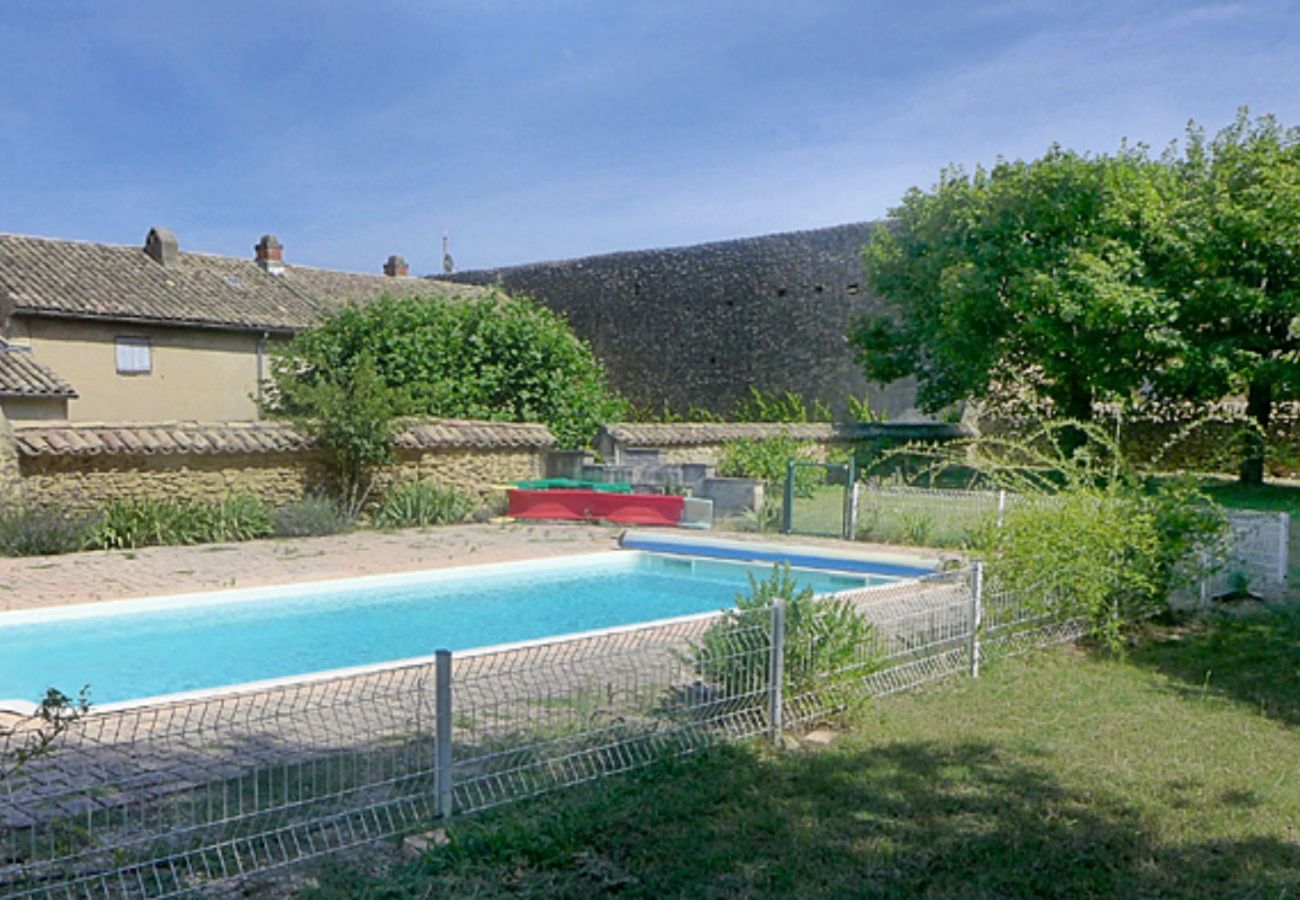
{"x": 22, "y": 376}
{"x": 679, "y": 433}
{"x": 45, "y": 276}
{"x": 653, "y": 434}
{"x": 171, "y": 438}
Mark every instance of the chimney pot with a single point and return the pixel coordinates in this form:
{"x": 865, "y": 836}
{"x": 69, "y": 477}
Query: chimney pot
{"x": 161, "y": 246}
{"x": 396, "y": 267}
{"x": 270, "y": 254}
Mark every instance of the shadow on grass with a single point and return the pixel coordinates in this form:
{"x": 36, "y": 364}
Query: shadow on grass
{"x": 908, "y": 819}
{"x": 1253, "y": 660}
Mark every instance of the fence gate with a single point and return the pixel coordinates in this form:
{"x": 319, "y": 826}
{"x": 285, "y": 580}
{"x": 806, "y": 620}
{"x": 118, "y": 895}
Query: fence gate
{"x": 820, "y": 499}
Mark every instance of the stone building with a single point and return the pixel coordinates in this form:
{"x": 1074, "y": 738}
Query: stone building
{"x": 100, "y": 332}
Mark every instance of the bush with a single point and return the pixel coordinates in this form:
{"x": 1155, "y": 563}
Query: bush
{"x": 42, "y": 532}
{"x": 1090, "y": 540}
{"x": 766, "y": 458}
{"x": 127, "y": 524}
{"x": 412, "y": 504}
{"x": 828, "y": 642}
{"x": 312, "y": 516}
{"x": 495, "y": 357}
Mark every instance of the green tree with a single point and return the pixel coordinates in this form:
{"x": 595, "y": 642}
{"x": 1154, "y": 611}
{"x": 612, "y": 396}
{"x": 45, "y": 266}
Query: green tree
{"x": 346, "y": 408}
{"x": 490, "y": 357}
{"x": 1233, "y": 265}
{"x": 1032, "y": 275}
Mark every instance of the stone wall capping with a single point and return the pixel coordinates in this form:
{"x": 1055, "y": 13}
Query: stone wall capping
{"x": 180, "y": 438}
{"x": 637, "y": 434}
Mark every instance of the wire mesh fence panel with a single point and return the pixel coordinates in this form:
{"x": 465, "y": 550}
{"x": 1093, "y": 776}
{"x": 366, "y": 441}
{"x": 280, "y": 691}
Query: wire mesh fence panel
{"x": 925, "y": 516}
{"x": 1012, "y": 624}
{"x": 1257, "y": 557}
{"x": 532, "y": 719}
{"x": 817, "y": 499}
{"x": 167, "y": 798}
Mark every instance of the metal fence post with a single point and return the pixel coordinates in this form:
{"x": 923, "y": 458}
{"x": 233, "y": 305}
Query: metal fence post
{"x": 776, "y": 668}
{"x": 1002, "y": 506}
{"x": 787, "y": 512}
{"x": 442, "y": 715}
{"x": 1283, "y": 546}
{"x": 976, "y": 617}
{"x": 850, "y": 499}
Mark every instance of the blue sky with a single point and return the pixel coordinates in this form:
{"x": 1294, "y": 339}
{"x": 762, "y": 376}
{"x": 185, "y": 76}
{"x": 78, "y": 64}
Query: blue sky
{"x": 543, "y": 130}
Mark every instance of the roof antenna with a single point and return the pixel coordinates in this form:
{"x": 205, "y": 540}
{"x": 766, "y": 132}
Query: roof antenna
{"x": 448, "y": 264}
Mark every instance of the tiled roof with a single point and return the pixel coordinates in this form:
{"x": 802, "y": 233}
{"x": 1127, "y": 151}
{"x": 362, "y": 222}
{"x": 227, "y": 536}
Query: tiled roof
{"x": 634, "y": 434}
{"x": 75, "y": 278}
{"x": 678, "y": 433}
{"x": 22, "y": 376}
{"x": 171, "y": 438}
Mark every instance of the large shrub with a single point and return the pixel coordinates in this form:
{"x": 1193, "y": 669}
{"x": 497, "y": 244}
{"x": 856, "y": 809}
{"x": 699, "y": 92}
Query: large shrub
{"x": 492, "y": 357}
{"x": 1089, "y": 539}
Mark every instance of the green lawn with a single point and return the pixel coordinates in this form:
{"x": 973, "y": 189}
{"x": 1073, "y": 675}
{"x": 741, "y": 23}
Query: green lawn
{"x": 1173, "y": 772}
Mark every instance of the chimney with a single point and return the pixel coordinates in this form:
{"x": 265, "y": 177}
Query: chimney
{"x": 396, "y": 267}
{"x": 160, "y": 245}
{"x": 270, "y": 254}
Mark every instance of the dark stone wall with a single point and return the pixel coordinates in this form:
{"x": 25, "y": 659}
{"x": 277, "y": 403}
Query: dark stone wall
{"x": 696, "y": 326}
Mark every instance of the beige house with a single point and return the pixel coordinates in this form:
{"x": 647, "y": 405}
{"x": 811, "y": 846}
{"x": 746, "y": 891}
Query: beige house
{"x": 107, "y": 333}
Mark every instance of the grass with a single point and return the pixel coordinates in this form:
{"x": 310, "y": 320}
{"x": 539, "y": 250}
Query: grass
{"x": 1172, "y": 772}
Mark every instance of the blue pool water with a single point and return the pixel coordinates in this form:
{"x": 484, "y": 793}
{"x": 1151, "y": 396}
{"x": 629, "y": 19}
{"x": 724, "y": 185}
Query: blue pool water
{"x": 141, "y": 649}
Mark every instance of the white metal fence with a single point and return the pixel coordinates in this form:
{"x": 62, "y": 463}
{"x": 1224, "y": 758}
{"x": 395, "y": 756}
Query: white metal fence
{"x": 166, "y": 799}
{"x": 1257, "y": 557}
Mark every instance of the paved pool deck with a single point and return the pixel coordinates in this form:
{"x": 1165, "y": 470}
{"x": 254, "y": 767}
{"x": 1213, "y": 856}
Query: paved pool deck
{"x": 32, "y": 582}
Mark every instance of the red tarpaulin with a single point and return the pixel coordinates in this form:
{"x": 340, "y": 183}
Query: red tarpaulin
{"x": 624, "y": 509}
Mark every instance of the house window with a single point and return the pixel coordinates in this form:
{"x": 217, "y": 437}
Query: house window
{"x": 133, "y": 356}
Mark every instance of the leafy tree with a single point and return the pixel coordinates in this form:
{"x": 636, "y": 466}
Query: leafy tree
{"x": 1032, "y": 274}
{"x": 345, "y": 405}
{"x": 1233, "y": 265}
{"x": 492, "y": 357}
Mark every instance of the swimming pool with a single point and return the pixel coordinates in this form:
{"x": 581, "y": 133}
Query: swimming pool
{"x": 133, "y": 649}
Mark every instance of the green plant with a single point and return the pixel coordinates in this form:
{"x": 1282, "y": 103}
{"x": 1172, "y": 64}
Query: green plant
{"x": 916, "y": 524}
{"x": 787, "y": 406}
{"x": 311, "y": 516}
{"x": 860, "y": 411}
{"x": 1089, "y": 539}
{"x": 24, "y": 741}
{"x": 486, "y": 357}
{"x": 411, "y": 504}
{"x": 42, "y": 532}
{"x": 346, "y": 407}
{"x": 127, "y": 524}
{"x": 239, "y": 517}
{"x": 828, "y": 642}
{"x": 766, "y": 459}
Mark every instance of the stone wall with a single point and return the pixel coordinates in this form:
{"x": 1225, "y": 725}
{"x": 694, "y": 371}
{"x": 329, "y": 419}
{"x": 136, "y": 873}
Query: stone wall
{"x": 697, "y": 326}
{"x": 84, "y": 483}
{"x": 10, "y": 479}
{"x": 81, "y": 466}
